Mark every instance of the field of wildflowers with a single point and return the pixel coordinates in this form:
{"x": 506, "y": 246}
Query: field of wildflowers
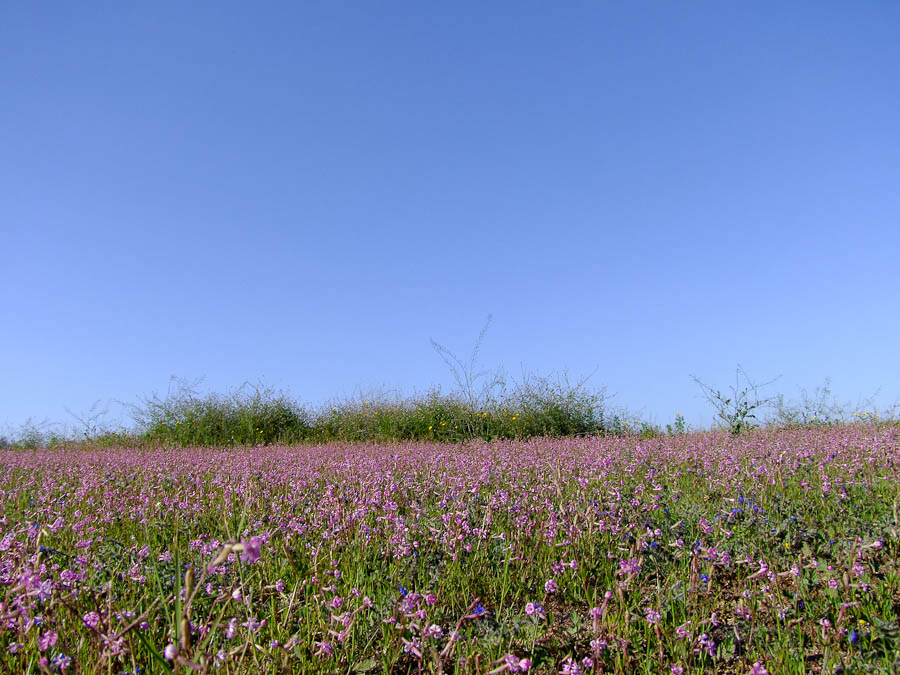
{"x": 773, "y": 551}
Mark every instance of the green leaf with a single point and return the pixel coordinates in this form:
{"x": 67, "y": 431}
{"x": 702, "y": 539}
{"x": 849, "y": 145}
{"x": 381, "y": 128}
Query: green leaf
{"x": 365, "y": 666}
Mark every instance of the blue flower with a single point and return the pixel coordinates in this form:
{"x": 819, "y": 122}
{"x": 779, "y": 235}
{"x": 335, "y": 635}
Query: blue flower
{"x": 704, "y": 578}
{"x": 479, "y": 610}
{"x": 403, "y": 591}
{"x": 853, "y": 637}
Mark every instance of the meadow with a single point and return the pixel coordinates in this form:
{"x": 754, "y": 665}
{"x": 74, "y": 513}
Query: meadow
{"x": 775, "y": 550}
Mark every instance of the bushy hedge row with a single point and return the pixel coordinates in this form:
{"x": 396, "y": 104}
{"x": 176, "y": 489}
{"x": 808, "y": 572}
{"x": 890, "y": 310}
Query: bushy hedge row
{"x": 535, "y": 407}
{"x": 538, "y": 407}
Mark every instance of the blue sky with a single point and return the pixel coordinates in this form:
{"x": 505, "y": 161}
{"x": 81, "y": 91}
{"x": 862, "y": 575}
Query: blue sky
{"x": 305, "y": 193}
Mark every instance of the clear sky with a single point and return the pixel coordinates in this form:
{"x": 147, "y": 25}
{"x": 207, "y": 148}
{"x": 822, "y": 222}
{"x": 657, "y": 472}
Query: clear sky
{"x": 305, "y": 193}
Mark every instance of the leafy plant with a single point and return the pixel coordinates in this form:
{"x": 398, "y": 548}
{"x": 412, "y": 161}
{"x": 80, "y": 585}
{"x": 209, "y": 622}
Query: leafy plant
{"x": 679, "y": 427}
{"x": 737, "y": 410}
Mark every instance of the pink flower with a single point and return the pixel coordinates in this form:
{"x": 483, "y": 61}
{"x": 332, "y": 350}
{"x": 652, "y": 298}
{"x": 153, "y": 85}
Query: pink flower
{"x": 170, "y": 652}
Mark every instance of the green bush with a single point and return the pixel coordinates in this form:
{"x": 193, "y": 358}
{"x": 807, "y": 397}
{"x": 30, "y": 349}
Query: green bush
{"x": 248, "y": 416}
{"x": 259, "y": 416}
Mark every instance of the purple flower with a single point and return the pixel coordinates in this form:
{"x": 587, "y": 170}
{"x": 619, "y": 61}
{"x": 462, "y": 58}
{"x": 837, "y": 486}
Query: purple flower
{"x": 91, "y": 620}
{"x": 707, "y": 643}
{"x": 62, "y": 661}
{"x": 550, "y": 587}
{"x": 47, "y": 640}
{"x": 253, "y": 625}
{"x": 231, "y": 629}
{"x": 629, "y": 566}
{"x": 516, "y": 665}
{"x": 170, "y": 652}
{"x": 251, "y": 550}
{"x": 598, "y": 644}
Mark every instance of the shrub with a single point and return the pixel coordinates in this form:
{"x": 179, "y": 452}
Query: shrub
{"x": 737, "y": 412}
{"x": 247, "y": 416}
